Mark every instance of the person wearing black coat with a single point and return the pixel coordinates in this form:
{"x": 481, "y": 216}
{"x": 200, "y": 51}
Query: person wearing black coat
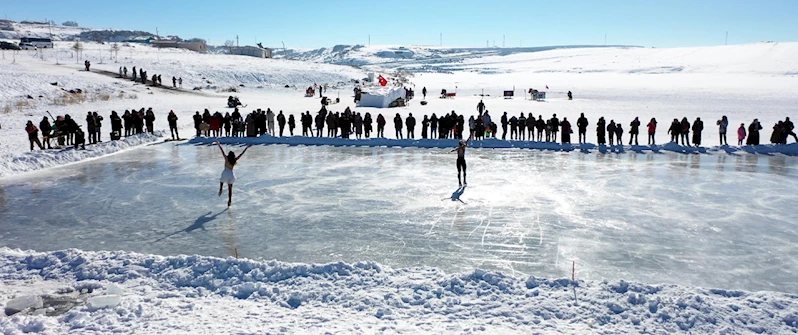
{"x": 116, "y": 125}
{"x": 291, "y": 124}
{"x": 367, "y": 127}
{"x": 601, "y": 131}
{"x": 698, "y": 127}
{"x": 675, "y": 130}
{"x": 504, "y": 126}
{"x": 582, "y": 124}
{"x": 433, "y": 125}
{"x": 206, "y": 119}
{"x": 634, "y": 131}
{"x": 397, "y": 123}
{"x": 789, "y": 130}
{"x": 128, "y": 119}
{"x": 411, "y": 126}
{"x": 197, "y": 122}
{"x": 753, "y": 132}
{"x": 71, "y": 127}
{"x": 172, "y": 119}
{"x": 138, "y": 121}
{"x": 91, "y": 127}
{"x": 149, "y": 117}
{"x": 424, "y": 126}
{"x": 98, "y": 123}
{"x": 565, "y": 126}
{"x": 685, "y": 132}
{"x": 46, "y": 128}
{"x": 281, "y": 122}
{"x": 381, "y": 126}
{"x": 611, "y": 132}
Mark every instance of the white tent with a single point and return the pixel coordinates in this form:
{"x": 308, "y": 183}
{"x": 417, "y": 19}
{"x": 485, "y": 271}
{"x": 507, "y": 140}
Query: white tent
{"x": 380, "y": 97}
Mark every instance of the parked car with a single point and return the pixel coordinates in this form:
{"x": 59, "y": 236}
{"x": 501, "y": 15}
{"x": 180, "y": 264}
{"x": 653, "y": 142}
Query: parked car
{"x": 8, "y": 46}
{"x": 27, "y": 46}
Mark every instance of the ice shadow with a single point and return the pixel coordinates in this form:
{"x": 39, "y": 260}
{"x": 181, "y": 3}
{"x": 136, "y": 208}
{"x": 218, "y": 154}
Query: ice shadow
{"x": 199, "y": 223}
{"x": 456, "y": 195}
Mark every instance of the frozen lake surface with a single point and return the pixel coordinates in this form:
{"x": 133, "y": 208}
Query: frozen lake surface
{"x": 713, "y": 220}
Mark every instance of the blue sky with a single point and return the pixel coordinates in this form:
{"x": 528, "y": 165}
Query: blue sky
{"x": 313, "y": 23}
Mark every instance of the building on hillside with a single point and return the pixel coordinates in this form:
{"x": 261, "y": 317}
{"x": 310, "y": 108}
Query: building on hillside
{"x": 193, "y": 46}
{"x": 251, "y": 51}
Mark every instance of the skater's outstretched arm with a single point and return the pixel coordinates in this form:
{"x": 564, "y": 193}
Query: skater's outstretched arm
{"x": 242, "y": 153}
{"x": 221, "y": 149}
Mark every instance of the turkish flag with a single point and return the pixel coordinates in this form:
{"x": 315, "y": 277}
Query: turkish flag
{"x": 383, "y": 81}
{"x": 547, "y": 87}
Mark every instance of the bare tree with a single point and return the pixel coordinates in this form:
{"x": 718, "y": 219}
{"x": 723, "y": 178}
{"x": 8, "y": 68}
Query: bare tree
{"x": 78, "y": 48}
{"x": 115, "y": 52}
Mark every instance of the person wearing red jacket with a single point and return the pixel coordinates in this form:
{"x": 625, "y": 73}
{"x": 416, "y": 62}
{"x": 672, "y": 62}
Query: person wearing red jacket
{"x": 33, "y": 135}
{"x": 652, "y": 129}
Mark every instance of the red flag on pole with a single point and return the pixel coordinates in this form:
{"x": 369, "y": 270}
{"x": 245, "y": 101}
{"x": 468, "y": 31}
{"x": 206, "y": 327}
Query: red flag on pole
{"x": 547, "y": 87}
{"x": 383, "y": 81}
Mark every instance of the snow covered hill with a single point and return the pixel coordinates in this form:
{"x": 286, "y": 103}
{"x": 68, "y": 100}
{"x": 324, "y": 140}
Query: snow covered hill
{"x": 405, "y": 57}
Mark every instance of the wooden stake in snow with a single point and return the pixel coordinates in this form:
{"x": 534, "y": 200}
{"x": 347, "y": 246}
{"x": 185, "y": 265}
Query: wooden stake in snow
{"x": 236, "y": 249}
{"x": 573, "y": 271}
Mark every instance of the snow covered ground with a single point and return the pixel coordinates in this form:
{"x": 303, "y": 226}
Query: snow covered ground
{"x": 720, "y": 219}
{"x": 204, "y": 295}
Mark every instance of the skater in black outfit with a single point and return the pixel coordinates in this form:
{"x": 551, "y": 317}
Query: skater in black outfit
{"x": 461, "y": 163}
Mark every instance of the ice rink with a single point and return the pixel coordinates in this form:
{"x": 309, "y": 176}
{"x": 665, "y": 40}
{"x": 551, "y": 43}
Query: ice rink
{"x": 712, "y": 220}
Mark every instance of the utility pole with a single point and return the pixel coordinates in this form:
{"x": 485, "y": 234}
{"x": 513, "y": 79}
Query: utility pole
{"x": 502, "y": 41}
{"x": 236, "y": 41}
{"x": 441, "y": 39}
{"x": 727, "y": 39}
{"x": 369, "y": 39}
{"x": 605, "y": 39}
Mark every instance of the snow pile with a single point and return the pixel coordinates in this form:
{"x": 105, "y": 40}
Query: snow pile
{"x": 789, "y": 149}
{"x": 172, "y": 294}
{"x": 41, "y": 159}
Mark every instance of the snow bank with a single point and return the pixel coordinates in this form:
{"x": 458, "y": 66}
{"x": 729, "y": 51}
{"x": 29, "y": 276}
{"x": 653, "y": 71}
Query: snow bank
{"x": 789, "y": 149}
{"x": 41, "y": 159}
{"x": 172, "y": 294}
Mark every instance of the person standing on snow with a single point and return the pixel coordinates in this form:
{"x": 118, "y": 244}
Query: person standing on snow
{"x": 150, "y": 119}
{"x": 281, "y": 122}
{"x": 480, "y": 107}
{"x": 397, "y": 123}
{"x": 675, "y": 130}
{"x": 582, "y": 124}
{"x": 46, "y": 128}
{"x": 652, "y": 129}
{"x": 753, "y": 132}
{"x": 698, "y": 127}
{"x": 685, "y": 132}
{"x": 566, "y": 130}
{"x": 116, "y": 126}
{"x": 411, "y": 126}
{"x": 522, "y": 124}
{"x": 611, "y": 131}
{"x": 172, "y": 118}
{"x": 514, "y": 127}
{"x": 504, "y": 125}
{"x": 91, "y": 126}
{"x": 270, "y": 120}
{"x": 723, "y": 123}
{"x": 98, "y": 122}
{"x": 380, "y": 126}
{"x": 33, "y": 135}
{"x": 741, "y": 134}
{"x": 600, "y": 131}
{"x": 634, "y": 131}
{"x": 789, "y": 129}
{"x": 291, "y": 124}
{"x": 424, "y": 126}
{"x": 618, "y": 134}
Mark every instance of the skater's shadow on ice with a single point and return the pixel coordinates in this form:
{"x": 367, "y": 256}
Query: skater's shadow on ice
{"x": 199, "y": 223}
{"x": 456, "y": 195}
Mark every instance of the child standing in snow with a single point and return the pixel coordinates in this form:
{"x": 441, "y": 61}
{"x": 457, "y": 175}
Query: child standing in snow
{"x": 741, "y": 134}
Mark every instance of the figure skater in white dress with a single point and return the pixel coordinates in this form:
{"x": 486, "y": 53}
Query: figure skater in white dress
{"x": 227, "y": 175}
